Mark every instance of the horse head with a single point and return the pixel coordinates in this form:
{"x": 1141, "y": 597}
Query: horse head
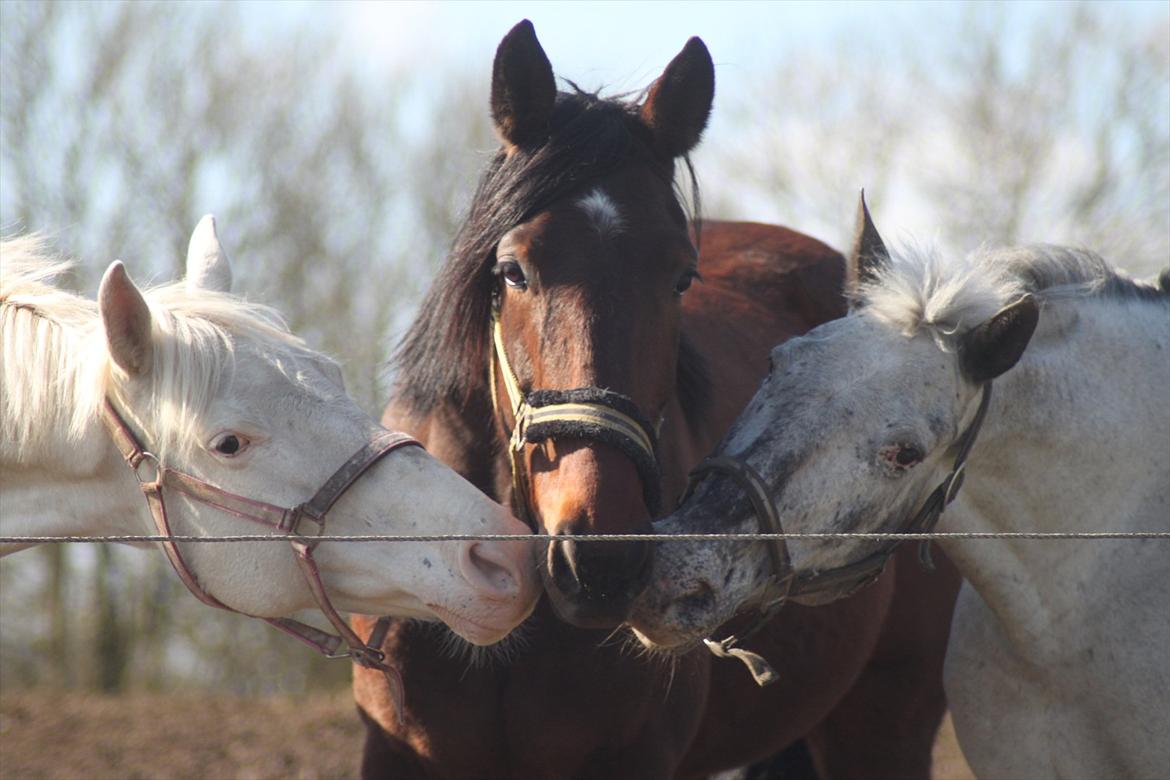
{"x": 226, "y": 417}
{"x": 587, "y": 295}
{"x": 855, "y": 424}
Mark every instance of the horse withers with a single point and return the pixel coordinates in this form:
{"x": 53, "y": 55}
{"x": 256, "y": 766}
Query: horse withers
{"x": 1042, "y": 374}
{"x": 575, "y": 357}
{"x": 228, "y": 422}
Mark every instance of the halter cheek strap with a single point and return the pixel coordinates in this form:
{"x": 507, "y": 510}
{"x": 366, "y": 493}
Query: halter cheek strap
{"x": 591, "y": 413}
{"x": 154, "y": 477}
{"x": 840, "y": 581}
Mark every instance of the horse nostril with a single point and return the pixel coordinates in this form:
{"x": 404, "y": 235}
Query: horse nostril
{"x": 700, "y": 596}
{"x": 600, "y": 570}
{"x": 490, "y": 569}
{"x": 562, "y": 565}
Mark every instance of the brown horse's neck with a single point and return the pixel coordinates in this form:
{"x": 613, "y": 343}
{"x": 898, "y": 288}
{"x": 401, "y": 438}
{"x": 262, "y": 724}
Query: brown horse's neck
{"x": 463, "y": 436}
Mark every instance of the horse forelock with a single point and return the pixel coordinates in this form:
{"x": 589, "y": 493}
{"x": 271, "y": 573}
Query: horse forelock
{"x": 58, "y": 370}
{"x": 443, "y": 356}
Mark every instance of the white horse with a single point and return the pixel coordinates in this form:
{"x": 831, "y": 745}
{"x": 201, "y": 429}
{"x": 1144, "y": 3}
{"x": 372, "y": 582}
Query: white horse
{"x": 251, "y": 421}
{"x": 1059, "y": 657}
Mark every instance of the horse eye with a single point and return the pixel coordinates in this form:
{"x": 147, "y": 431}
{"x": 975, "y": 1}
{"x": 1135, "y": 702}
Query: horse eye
{"x": 513, "y": 275}
{"x": 907, "y": 456}
{"x": 684, "y": 282}
{"x": 229, "y": 444}
{"x": 900, "y": 457}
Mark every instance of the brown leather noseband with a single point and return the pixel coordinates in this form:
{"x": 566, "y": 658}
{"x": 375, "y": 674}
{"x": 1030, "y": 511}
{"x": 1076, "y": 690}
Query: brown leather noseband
{"x": 287, "y": 521}
{"x": 835, "y": 583}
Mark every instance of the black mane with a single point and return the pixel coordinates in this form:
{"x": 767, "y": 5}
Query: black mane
{"x": 442, "y": 359}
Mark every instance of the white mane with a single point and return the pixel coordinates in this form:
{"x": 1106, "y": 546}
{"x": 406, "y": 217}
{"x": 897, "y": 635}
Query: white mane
{"x": 920, "y": 290}
{"x": 56, "y": 365}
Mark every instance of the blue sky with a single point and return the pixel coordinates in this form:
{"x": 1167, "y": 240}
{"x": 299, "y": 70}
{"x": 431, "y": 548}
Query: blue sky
{"x": 624, "y": 44}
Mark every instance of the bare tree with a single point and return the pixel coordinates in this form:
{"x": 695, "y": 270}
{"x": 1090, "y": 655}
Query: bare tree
{"x": 120, "y": 125}
{"x": 973, "y": 143}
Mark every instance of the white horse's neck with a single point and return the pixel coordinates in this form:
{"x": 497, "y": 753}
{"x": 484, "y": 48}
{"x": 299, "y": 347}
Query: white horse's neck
{"x": 1077, "y": 439}
{"x": 78, "y": 488}
{"x": 1056, "y": 664}
{"x": 71, "y": 487}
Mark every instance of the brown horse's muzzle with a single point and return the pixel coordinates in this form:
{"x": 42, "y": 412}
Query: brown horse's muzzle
{"x": 593, "y": 584}
{"x": 610, "y": 460}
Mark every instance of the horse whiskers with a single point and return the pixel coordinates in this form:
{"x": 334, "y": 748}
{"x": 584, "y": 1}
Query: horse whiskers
{"x": 615, "y": 634}
{"x": 502, "y": 653}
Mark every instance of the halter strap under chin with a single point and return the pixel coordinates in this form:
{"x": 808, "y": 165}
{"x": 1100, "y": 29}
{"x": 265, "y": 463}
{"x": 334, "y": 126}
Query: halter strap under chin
{"x": 154, "y": 477}
{"x": 590, "y": 413}
{"x": 840, "y": 581}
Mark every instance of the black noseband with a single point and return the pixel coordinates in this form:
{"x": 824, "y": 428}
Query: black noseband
{"x": 591, "y": 413}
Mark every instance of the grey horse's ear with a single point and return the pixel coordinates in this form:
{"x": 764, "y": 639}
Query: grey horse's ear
{"x": 208, "y": 267}
{"x": 679, "y": 102}
{"x": 126, "y": 320}
{"x": 523, "y": 88}
{"x": 993, "y": 347}
{"x": 868, "y": 255}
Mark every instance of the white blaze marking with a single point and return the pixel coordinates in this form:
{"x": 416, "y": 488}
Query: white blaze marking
{"x": 603, "y": 212}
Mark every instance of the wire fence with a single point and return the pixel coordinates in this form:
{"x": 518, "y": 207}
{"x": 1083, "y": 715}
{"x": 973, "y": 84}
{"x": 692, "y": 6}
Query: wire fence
{"x": 638, "y": 537}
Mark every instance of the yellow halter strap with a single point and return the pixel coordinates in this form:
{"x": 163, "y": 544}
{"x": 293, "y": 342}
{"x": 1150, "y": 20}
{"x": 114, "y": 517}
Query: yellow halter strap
{"x": 550, "y": 414}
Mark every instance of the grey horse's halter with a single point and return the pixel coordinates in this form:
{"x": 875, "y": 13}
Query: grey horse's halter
{"x": 838, "y": 582}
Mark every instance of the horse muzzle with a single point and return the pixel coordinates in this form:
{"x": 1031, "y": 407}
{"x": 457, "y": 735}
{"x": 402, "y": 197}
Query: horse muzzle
{"x": 593, "y": 584}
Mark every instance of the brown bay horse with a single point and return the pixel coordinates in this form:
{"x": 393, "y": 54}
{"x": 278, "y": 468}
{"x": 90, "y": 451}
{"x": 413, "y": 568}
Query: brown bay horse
{"x": 578, "y": 257}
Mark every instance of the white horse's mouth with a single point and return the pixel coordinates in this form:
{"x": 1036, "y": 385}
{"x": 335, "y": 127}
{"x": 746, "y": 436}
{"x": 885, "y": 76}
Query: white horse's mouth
{"x": 473, "y": 631}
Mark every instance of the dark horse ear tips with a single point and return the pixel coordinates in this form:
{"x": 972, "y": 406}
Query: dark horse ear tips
{"x": 524, "y": 91}
{"x": 679, "y": 102}
{"x": 869, "y": 253}
{"x": 523, "y": 87}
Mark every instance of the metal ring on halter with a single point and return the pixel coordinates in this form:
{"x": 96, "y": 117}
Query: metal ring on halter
{"x": 369, "y": 657}
{"x": 955, "y": 482}
{"x": 144, "y": 457}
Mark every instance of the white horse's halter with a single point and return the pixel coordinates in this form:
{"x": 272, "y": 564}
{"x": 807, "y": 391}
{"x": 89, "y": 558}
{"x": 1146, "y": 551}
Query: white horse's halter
{"x": 285, "y": 520}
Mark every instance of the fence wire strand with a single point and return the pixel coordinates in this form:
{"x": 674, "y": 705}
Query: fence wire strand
{"x": 640, "y": 537}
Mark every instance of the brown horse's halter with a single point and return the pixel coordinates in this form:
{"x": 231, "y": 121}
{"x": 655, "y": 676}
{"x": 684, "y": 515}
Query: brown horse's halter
{"x": 841, "y": 581}
{"x": 584, "y": 412}
{"x": 285, "y": 520}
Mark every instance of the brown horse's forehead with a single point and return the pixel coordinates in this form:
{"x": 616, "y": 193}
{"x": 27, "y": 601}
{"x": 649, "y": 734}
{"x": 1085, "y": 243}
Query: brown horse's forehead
{"x": 595, "y": 225}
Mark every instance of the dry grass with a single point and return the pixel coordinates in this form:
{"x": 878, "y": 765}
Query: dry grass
{"x": 71, "y": 736}
{"x": 74, "y": 736}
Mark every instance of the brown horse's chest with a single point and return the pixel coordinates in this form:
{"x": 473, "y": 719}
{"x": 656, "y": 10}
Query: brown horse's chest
{"x": 568, "y": 705}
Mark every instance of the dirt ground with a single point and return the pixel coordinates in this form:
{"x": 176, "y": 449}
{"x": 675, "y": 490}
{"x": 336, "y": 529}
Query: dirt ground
{"x": 209, "y": 737}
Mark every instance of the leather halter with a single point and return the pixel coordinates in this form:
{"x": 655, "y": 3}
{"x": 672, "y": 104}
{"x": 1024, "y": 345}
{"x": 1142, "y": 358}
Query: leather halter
{"x": 586, "y": 412}
{"x": 287, "y": 521}
{"x": 840, "y": 581}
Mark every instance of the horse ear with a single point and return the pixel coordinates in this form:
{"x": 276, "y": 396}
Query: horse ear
{"x": 869, "y": 254}
{"x": 126, "y": 319}
{"x": 995, "y": 346}
{"x": 679, "y": 102}
{"x": 208, "y": 267}
{"x": 523, "y": 87}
